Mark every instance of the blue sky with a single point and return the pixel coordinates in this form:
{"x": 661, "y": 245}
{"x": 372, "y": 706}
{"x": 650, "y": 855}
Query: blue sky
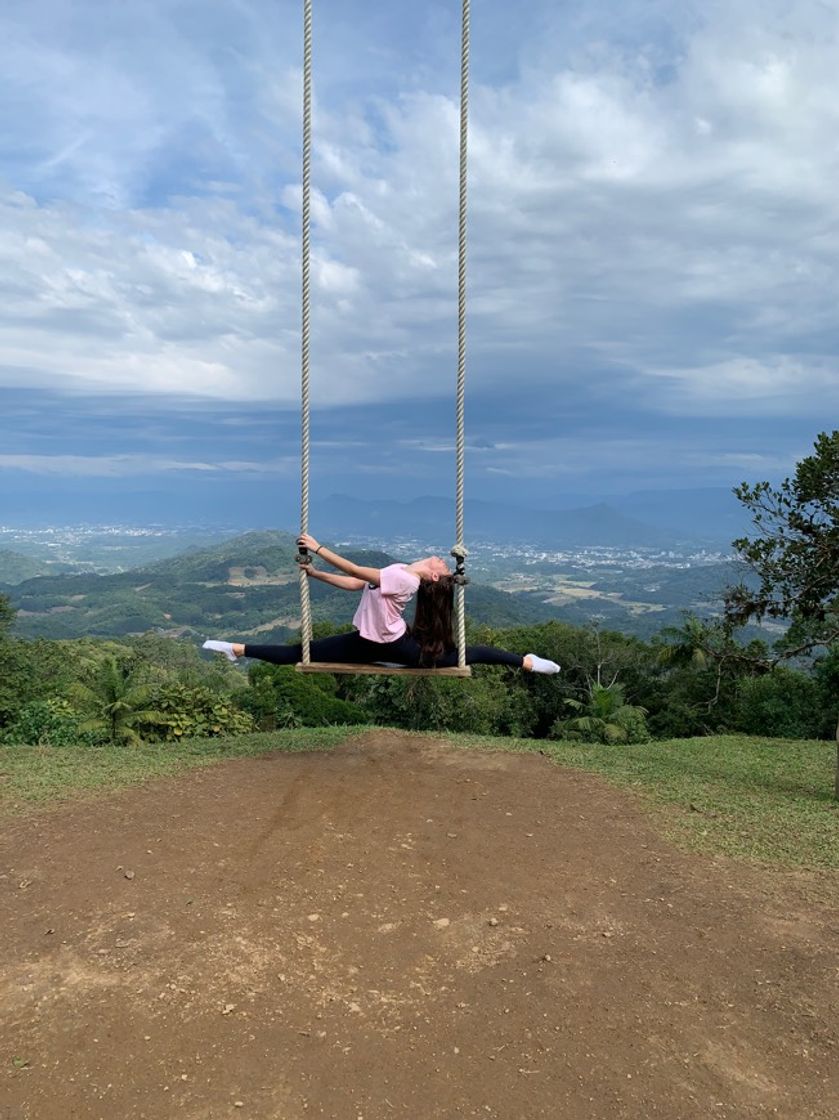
{"x": 654, "y": 243}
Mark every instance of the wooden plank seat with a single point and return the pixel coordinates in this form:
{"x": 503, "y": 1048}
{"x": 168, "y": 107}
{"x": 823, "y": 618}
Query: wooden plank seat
{"x": 381, "y": 668}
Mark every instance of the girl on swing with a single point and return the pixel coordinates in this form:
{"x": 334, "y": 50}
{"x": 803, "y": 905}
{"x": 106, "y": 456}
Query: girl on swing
{"x": 381, "y": 633}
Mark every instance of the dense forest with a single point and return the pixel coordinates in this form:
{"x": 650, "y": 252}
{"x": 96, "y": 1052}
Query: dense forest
{"x": 613, "y": 688}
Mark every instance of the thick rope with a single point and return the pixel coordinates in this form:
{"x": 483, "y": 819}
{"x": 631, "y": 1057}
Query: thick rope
{"x": 459, "y": 549}
{"x": 303, "y": 557}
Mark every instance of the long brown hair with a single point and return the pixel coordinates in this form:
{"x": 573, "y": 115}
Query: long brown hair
{"x": 432, "y": 625}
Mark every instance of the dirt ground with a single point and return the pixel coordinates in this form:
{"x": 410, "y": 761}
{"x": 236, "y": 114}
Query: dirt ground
{"x": 400, "y": 928}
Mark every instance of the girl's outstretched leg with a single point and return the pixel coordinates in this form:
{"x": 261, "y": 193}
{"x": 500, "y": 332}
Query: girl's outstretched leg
{"x": 489, "y": 655}
{"x": 278, "y": 655}
{"x": 344, "y": 649}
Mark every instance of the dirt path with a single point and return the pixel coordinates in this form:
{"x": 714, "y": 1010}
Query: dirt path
{"x": 400, "y": 928}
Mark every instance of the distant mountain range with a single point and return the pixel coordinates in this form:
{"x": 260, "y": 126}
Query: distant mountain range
{"x": 646, "y": 518}
{"x": 712, "y": 514}
{"x": 431, "y": 518}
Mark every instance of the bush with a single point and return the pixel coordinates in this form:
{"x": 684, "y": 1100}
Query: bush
{"x": 605, "y": 719}
{"x": 191, "y": 711}
{"x": 281, "y": 697}
{"x": 30, "y": 671}
{"x": 480, "y": 704}
{"x": 783, "y": 704}
{"x": 626, "y": 726}
{"x": 51, "y": 723}
{"x": 305, "y": 701}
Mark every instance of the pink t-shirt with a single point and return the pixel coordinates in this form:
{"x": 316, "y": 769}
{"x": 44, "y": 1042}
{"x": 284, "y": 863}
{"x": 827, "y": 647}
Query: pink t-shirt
{"x": 379, "y": 615}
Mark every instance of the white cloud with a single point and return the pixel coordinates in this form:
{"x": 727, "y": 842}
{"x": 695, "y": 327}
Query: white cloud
{"x": 656, "y": 211}
{"x": 119, "y": 466}
{"x": 619, "y": 463}
{"x": 783, "y": 386}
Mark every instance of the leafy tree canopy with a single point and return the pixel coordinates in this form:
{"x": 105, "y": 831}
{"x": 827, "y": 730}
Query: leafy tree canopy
{"x": 795, "y": 551}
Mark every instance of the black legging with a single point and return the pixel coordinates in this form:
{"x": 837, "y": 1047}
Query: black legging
{"x": 352, "y": 649}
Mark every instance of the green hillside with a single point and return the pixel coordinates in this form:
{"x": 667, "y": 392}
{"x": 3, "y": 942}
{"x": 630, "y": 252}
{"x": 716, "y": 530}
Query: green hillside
{"x": 246, "y": 587}
{"x": 265, "y": 554}
{"x": 15, "y": 567}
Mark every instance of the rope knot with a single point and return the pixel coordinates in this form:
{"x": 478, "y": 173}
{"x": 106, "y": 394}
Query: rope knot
{"x": 459, "y": 552}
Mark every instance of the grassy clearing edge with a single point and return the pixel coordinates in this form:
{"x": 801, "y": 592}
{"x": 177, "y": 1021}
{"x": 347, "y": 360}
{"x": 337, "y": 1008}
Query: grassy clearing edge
{"x": 37, "y": 777}
{"x": 766, "y": 801}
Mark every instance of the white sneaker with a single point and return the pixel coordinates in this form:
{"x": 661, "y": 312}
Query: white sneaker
{"x": 221, "y": 647}
{"x": 542, "y": 665}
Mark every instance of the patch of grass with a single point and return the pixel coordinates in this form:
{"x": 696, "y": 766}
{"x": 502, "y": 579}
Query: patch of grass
{"x": 38, "y": 775}
{"x": 768, "y": 801}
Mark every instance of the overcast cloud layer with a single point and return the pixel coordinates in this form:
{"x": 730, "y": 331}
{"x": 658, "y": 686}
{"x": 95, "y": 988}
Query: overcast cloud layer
{"x": 654, "y": 238}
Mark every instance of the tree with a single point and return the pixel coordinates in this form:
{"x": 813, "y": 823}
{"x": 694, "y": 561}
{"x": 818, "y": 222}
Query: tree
{"x": 7, "y": 615}
{"x": 29, "y": 670}
{"x": 826, "y": 673}
{"x": 795, "y": 553}
{"x": 114, "y": 703}
{"x": 783, "y": 703}
{"x": 794, "y": 556}
{"x": 704, "y": 666}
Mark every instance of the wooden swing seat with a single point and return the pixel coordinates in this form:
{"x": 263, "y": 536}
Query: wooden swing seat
{"x": 380, "y": 668}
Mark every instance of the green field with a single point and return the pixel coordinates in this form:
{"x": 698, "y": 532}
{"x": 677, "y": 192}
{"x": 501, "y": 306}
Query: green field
{"x": 768, "y": 801}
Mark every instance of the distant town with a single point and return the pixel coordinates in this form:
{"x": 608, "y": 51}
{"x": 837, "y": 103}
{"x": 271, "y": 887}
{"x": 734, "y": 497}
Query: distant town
{"x": 110, "y": 548}
{"x": 638, "y": 589}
